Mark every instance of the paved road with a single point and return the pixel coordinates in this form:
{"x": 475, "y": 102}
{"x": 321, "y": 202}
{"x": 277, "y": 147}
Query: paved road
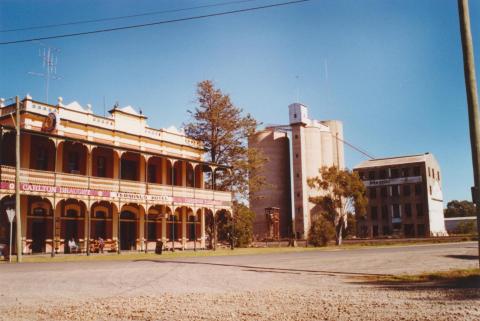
{"x": 33, "y": 281}
{"x": 313, "y": 285}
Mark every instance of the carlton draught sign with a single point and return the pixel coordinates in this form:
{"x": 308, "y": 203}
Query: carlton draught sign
{"x": 55, "y": 189}
{"x": 26, "y": 187}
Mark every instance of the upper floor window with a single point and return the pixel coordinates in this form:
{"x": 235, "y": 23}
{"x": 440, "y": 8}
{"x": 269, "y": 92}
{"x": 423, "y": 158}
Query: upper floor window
{"x": 408, "y": 210}
{"x": 406, "y": 190}
{"x": 152, "y": 173}
{"x": 129, "y": 169}
{"x": 383, "y": 174}
{"x": 373, "y": 212}
{"x": 418, "y": 189}
{"x": 416, "y": 171}
{"x": 371, "y": 175}
{"x": 101, "y": 167}
{"x": 419, "y": 208}
{"x": 383, "y": 192}
{"x": 396, "y": 210}
{"x": 42, "y": 159}
{"x": 73, "y": 163}
{"x": 394, "y": 173}
{"x": 405, "y": 172}
{"x": 190, "y": 177}
{"x": 373, "y": 192}
{"x": 395, "y": 190}
{"x": 384, "y": 211}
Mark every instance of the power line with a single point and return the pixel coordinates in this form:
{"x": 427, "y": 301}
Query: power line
{"x": 154, "y": 23}
{"x": 79, "y": 22}
{"x": 287, "y": 128}
{"x": 355, "y": 148}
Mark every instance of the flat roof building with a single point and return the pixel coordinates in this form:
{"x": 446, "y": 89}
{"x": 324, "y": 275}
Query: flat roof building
{"x": 405, "y": 197}
{"x": 85, "y": 176}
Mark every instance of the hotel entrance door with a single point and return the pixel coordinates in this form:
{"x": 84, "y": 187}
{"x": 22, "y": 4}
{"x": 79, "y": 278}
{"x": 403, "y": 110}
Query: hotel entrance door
{"x": 38, "y": 236}
{"x": 128, "y": 236}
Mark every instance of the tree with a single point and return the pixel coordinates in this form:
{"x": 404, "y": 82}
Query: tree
{"x": 321, "y": 231}
{"x": 459, "y": 209}
{"x": 224, "y": 129}
{"x": 351, "y": 228}
{"x": 466, "y": 228}
{"x": 242, "y": 226}
{"x": 341, "y": 192}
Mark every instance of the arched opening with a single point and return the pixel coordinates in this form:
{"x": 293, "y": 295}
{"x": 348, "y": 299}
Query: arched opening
{"x": 8, "y": 149}
{"x": 209, "y": 228}
{"x": 72, "y": 222}
{"x": 129, "y": 219}
{"x": 101, "y": 221}
{"x": 155, "y": 170}
{"x": 42, "y": 153}
{"x": 193, "y": 226}
{"x": 198, "y": 172}
{"x": 102, "y": 162}
{"x": 74, "y": 158}
{"x": 190, "y": 179}
{"x": 207, "y": 176}
{"x": 168, "y": 174}
{"x": 174, "y": 226}
{"x": 178, "y": 173}
{"x": 39, "y": 224}
{"x": 130, "y": 166}
{"x": 154, "y": 222}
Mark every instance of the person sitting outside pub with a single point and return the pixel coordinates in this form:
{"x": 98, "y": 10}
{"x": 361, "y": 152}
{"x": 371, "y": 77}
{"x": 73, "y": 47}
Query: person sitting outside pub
{"x": 101, "y": 245}
{"x": 73, "y": 246}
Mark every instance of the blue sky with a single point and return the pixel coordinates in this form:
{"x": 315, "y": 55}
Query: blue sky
{"x": 395, "y": 71}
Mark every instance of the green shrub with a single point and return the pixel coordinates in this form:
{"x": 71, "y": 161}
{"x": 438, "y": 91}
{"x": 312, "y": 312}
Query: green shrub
{"x": 321, "y": 231}
{"x": 466, "y": 228}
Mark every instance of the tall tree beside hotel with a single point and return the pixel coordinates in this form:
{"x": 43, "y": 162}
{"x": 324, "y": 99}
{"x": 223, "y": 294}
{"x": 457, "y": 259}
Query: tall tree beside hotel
{"x": 224, "y": 129}
{"x": 341, "y": 192}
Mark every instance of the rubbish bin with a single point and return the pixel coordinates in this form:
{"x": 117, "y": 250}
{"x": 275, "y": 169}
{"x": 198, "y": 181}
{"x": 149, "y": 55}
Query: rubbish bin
{"x": 159, "y": 247}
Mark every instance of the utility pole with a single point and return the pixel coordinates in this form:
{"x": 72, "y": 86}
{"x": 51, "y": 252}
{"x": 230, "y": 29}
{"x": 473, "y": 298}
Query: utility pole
{"x": 472, "y": 101}
{"x": 17, "y": 182}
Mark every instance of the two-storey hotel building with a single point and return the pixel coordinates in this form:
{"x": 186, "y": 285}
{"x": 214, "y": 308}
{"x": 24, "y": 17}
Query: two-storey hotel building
{"x": 85, "y": 176}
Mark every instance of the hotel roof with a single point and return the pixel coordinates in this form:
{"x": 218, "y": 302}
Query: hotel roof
{"x": 398, "y": 160}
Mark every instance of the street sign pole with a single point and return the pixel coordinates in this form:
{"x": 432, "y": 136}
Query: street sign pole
{"x": 10, "y": 244}
{"x": 10, "y": 215}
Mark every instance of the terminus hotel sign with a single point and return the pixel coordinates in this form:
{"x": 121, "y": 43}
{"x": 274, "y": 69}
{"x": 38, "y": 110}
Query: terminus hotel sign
{"x": 26, "y": 187}
{"x": 393, "y": 181}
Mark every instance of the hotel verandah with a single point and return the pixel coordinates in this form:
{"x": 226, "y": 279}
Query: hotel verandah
{"x": 86, "y": 176}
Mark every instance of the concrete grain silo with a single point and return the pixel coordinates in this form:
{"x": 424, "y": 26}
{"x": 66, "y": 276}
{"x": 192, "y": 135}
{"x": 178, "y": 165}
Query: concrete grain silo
{"x": 274, "y": 144}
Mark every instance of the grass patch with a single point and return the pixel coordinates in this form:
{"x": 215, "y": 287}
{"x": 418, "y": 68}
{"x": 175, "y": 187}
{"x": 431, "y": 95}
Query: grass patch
{"x": 466, "y": 276}
{"x": 132, "y": 256}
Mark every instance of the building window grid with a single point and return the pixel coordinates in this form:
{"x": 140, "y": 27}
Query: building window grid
{"x": 373, "y": 213}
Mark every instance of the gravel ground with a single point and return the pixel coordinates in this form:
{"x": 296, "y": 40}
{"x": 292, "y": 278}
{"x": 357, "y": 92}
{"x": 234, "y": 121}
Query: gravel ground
{"x": 296, "y": 286}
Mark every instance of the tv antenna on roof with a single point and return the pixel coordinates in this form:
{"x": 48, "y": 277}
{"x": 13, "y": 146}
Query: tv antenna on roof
{"x": 49, "y": 64}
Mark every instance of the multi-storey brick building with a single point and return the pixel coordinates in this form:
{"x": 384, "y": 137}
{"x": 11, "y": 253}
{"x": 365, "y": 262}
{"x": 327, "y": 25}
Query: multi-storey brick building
{"x": 405, "y": 197}
{"x": 85, "y": 176}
